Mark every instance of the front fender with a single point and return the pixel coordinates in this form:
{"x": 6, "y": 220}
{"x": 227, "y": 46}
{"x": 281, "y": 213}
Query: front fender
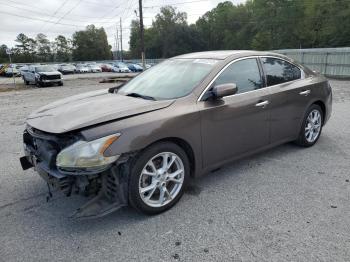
{"x": 138, "y": 132}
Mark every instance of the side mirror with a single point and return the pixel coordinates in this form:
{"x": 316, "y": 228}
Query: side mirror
{"x": 223, "y": 90}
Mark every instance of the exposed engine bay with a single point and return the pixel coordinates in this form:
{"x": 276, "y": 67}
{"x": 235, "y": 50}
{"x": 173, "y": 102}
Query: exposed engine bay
{"x": 107, "y": 188}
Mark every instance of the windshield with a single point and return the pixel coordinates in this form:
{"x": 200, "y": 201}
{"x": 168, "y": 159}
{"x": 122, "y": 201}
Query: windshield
{"x": 44, "y": 69}
{"x": 171, "y": 79}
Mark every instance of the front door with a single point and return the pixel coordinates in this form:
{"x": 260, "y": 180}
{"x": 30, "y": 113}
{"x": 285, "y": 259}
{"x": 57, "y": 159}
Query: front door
{"x": 235, "y": 124}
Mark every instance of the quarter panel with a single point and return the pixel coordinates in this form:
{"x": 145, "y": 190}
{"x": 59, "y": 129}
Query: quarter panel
{"x": 288, "y": 106}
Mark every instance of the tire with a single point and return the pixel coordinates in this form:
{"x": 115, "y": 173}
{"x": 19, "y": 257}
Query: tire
{"x": 39, "y": 84}
{"x": 26, "y": 82}
{"x": 60, "y": 83}
{"x": 307, "y": 139}
{"x": 138, "y": 180}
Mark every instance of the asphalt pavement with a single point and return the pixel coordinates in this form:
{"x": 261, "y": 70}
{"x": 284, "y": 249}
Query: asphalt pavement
{"x": 285, "y": 204}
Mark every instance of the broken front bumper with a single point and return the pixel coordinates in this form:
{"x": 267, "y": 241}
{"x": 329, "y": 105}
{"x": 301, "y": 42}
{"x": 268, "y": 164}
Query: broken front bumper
{"x": 109, "y": 187}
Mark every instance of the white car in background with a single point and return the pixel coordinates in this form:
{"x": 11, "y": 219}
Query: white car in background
{"x": 11, "y": 70}
{"x": 94, "y": 68}
{"x": 147, "y": 66}
{"x": 121, "y": 67}
{"x": 81, "y": 68}
{"x": 23, "y": 69}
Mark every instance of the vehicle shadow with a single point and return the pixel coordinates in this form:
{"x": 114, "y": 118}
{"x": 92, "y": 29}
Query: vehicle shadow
{"x": 54, "y": 214}
{"x": 127, "y": 216}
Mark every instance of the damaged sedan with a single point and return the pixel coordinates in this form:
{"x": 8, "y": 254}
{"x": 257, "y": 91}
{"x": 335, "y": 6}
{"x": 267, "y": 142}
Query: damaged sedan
{"x": 139, "y": 143}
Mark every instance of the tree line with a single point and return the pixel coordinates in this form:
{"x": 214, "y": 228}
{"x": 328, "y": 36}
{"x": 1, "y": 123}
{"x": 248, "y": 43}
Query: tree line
{"x": 85, "y": 45}
{"x": 256, "y": 24}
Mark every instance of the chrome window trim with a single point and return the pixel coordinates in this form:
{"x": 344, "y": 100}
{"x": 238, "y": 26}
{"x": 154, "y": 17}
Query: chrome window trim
{"x": 249, "y": 57}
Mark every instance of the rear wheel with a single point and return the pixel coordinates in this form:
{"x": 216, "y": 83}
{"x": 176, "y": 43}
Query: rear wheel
{"x": 158, "y": 178}
{"x": 312, "y": 126}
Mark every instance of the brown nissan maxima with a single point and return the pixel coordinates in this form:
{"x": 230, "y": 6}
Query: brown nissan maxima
{"x": 138, "y": 144}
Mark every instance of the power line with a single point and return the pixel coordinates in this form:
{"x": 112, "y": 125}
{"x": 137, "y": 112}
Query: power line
{"x": 67, "y": 13}
{"x": 59, "y": 8}
{"x": 45, "y": 10}
{"x": 37, "y": 19}
{"x": 99, "y": 4}
{"x": 68, "y": 19}
{"x": 178, "y": 3}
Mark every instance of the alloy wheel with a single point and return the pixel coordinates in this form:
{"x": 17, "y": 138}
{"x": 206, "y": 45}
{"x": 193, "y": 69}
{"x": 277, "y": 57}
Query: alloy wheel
{"x": 161, "y": 179}
{"x": 313, "y": 126}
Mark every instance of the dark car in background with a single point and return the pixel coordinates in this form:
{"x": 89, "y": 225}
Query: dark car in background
{"x": 42, "y": 75}
{"x": 106, "y": 68}
{"x": 135, "y": 68}
{"x": 139, "y": 144}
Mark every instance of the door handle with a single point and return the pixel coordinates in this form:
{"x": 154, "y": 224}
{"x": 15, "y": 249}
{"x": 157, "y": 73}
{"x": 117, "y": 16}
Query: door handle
{"x": 262, "y": 103}
{"x": 305, "y": 93}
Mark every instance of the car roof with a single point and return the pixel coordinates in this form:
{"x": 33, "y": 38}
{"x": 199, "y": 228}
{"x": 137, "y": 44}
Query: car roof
{"x": 221, "y": 55}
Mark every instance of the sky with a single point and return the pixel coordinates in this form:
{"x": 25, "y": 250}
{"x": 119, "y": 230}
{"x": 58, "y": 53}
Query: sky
{"x": 64, "y": 17}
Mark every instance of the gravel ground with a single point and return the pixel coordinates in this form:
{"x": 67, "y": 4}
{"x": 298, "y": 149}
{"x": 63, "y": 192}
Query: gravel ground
{"x": 286, "y": 204}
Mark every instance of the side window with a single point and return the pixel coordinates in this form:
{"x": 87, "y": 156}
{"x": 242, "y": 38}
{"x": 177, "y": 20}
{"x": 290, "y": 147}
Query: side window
{"x": 279, "y": 71}
{"x": 244, "y": 73}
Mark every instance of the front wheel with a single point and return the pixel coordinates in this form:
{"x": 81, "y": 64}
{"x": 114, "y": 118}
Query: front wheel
{"x": 158, "y": 178}
{"x": 38, "y": 83}
{"x": 312, "y": 126}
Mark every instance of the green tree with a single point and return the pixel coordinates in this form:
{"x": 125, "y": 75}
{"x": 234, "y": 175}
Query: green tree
{"x": 169, "y": 35}
{"x": 25, "y": 50}
{"x": 62, "y": 49}
{"x": 134, "y": 40}
{"x": 91, "y": 44}
{"x": 3, "y": 56}
{"x": 44, "y": 53}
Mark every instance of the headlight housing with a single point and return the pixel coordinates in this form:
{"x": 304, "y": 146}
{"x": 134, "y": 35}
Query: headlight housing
{"x": 87, "y": 155}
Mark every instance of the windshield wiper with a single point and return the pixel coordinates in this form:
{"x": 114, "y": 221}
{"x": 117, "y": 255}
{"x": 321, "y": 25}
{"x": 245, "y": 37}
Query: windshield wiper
{"x": 141, "y": 96}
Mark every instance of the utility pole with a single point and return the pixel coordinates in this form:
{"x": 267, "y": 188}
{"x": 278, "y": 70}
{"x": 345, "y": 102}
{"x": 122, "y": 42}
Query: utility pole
{"x": 9, "y": 52}
{"x": 121, "y": 40}
{"x": 142, "y": 35}
{"x": 116, "y": 41}
{"x": 117, "y": 44}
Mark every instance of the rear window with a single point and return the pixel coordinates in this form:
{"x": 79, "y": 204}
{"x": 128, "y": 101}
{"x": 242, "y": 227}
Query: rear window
{"x": 279, "y": 71}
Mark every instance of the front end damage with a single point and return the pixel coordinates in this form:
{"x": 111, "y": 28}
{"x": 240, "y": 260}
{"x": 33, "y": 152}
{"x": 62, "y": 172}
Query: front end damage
{"x": 107, "y": 187}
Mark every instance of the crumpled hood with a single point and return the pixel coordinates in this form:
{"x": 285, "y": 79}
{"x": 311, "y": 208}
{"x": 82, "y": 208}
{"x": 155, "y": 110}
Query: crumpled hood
{"x": 89, "y": 109}
{"x": 49, "y": 73}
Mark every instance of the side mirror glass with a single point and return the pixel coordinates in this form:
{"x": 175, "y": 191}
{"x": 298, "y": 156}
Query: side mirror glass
{"x": 223, "y": 90}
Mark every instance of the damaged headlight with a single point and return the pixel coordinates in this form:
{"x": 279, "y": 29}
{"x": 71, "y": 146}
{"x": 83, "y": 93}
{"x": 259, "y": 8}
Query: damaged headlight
{"x": 83, "y": 154}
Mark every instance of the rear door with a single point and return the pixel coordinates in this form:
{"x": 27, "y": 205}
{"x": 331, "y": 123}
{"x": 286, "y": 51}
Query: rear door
{"x": 289, "y": 97}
